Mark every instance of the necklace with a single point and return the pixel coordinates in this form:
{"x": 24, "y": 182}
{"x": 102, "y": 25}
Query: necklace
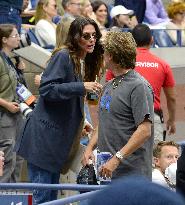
{"x": 117, "y": 81}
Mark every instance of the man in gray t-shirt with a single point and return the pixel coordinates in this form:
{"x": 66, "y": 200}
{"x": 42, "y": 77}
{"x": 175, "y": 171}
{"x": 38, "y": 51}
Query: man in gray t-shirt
{"x": 121, "y": 111}
{"x": 125, "y": 113}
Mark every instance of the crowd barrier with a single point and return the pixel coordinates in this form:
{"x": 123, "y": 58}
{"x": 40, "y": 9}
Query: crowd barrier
{"x": 161, "y": 37}
{"x": 89, "y": 189}
{"x": 71, "y": 199}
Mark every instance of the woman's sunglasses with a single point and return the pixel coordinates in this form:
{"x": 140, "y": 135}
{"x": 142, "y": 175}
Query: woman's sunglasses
{"x": 88, "y": 36}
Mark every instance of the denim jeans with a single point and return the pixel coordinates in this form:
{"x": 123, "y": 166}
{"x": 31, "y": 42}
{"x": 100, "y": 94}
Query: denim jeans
{"x": 85, "y": 140}
{"x": 38, "y": 175}
{"x": 11, "y": 16}
{"x": 162, "y": 39}
{"x": 10, "y": 125}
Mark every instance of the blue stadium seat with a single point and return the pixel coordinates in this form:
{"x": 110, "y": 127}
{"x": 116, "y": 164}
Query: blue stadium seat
{"x": 34, "y": 39}
{"x": 32, "y": 36}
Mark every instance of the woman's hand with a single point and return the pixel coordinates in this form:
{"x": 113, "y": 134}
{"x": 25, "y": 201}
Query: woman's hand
{"x": 13, "y": 107}
{"x": 107, "y": 169}
{"x": 93, "y": 87}
{"x": 21, "y": 65}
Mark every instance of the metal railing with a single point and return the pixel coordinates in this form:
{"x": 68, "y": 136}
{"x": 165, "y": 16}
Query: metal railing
{"x": 89, "y": 189}
{"x": 161, "y": 37}
{"x": 71, "y": 199}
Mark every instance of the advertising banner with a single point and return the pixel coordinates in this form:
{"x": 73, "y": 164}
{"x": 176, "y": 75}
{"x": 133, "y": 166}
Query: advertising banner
{"x": 15, "y": 198}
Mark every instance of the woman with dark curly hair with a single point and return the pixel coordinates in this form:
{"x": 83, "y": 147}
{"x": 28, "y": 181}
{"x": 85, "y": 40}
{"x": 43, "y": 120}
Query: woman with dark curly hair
{"x": 52, "y": 131}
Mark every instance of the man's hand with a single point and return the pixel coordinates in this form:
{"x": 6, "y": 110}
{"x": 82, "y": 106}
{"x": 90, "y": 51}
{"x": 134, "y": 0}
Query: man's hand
{"x": 170, "y": 127}
{"x": 87, "y": 157}
{"x": 107, "y": 169}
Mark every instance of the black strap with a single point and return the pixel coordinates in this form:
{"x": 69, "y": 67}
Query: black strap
{"x": 18, "y": 73}
{"x": 160, "y": 114}
{"x": 9, "y": 64}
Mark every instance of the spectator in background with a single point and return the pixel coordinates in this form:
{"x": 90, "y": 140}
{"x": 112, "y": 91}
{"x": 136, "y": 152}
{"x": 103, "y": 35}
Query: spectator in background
{"x": 10, "y": 11}
{"x": 72, "y": 8}
{"x": 87, "y": 10}
{"x": 138, "y": 6}
{"x": 155, "y": 14}
{"x": 45, "y": 29}
{"x": 61, "y": 35}
{"x": 101, "y": 11}
{"x": 157, "y": 19}
{"x": 25, "y": 4}
{"x": 121, "y": 18}
{"x": 62, "y": 32}
{"x": 176, "y": 13}
{"x": 165, "y": 153}
{"x": 159, "y": 75}
{"x": 27, "y": 15}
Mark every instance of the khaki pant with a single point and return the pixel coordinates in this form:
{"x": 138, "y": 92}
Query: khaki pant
{"x": 158, "y": 129}
{"x": 10, "y": 125}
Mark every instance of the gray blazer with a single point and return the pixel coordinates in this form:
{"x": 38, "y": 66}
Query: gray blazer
{"x": 50, "y": 130}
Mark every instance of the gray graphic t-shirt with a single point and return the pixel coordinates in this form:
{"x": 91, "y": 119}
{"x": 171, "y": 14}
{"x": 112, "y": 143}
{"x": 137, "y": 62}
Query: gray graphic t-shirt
{"x": 125, "y": 103}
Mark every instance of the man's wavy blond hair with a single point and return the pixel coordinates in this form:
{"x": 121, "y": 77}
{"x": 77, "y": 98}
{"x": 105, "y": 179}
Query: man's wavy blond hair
{"x": 122, "y": 47}
{"x": 157, "y": 149}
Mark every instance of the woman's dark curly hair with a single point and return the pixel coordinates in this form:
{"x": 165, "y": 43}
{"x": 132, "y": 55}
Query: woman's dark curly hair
{"x": 94, "y": 60}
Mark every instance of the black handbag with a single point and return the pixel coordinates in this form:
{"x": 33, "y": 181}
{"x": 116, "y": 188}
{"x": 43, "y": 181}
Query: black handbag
{"x": 87, "y": 175}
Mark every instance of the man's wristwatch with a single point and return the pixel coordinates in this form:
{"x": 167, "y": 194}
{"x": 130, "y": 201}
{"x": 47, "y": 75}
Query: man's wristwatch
{"x": 119, "y": 155}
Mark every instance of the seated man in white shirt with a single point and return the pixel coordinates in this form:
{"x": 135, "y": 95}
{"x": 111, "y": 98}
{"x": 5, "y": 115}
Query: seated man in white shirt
{"x": 165, "y": 153}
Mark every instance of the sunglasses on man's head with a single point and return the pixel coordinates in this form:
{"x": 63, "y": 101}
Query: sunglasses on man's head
{"x": 88, "y": 36}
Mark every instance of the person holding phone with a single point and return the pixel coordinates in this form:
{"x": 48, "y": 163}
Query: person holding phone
{"x": 51, "y": 134}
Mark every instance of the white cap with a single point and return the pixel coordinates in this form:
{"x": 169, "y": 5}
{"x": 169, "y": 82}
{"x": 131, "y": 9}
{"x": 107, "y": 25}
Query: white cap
{"x": 117, "y": 10}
